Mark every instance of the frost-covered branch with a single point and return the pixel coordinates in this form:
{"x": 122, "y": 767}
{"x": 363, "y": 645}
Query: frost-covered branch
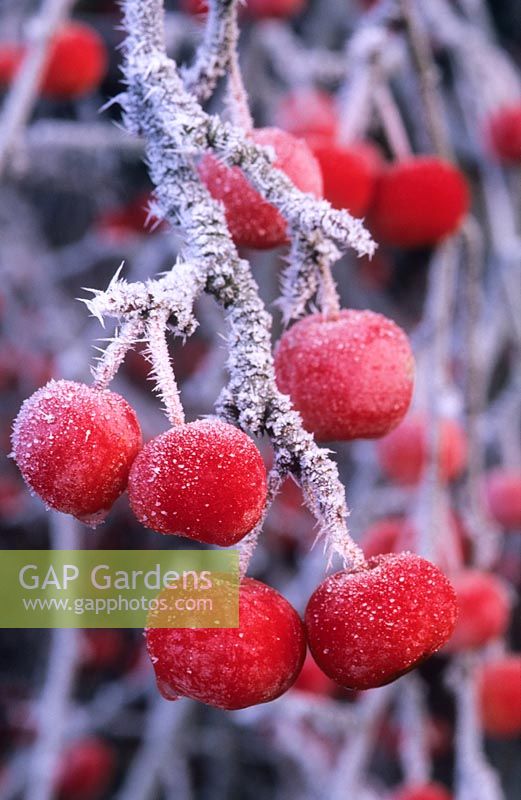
{"x": 180, "y": 124}
{"x": 428, "y": 76}
{"x": 432, "y": 503}
{"x": 213, "y": 56}
{"x": 53, "y": 705}
{"x": 414, "y": 749}
{"x": 175, "y": 128}
{"x": 294, "y": 63}
{"x": 163, "y": 726}
{"x": 475, "y": 779}
{"x": 347, "y": 778}
{"x": 485, "y": 535}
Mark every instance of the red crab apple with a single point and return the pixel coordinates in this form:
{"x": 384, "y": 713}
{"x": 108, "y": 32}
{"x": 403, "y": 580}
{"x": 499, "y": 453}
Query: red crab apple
{"x": 424, "y": 791}
{"x": 418, "y": 202}
{"x": 484, "y": 610}
{"x": 259, "y": 9}
{"x": 504, "y": 132}
{"x": 313, "y": 680}
{"x": 77, "y": 62}
{"x": 349, "y": 375}
{"x": 106, "y": 649}
{"x": 74, "y": 446}
{"x": 368, "y": 626}
{"x": 402, "y": 454}
{"x": 349, "y": 173}
{"x": 11, "y": 56}
{"x": 194, "y": 7}
{"x": 205, "y": 480}
{"x": 503, "y": 492}
{"x": 252, "y": 221}
{"x": 307, "y": 111}
{"x": 395, "y": 534}
{"x": 387, "y": 535}
{"x": 500, "y": 696}
{"x": 85, "y": 771}
{"x": 233, "y": 668}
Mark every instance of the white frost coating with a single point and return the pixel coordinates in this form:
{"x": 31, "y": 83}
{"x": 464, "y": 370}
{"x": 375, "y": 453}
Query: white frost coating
{"x": 175, "y": 128}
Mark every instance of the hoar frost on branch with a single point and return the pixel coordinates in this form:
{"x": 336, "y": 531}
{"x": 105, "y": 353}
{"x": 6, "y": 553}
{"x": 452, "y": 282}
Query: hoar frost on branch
{"x": 176, "y": 130}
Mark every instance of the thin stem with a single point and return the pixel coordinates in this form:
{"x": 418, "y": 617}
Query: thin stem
{"x": 237, "y": 95}
{"x": 475, "y": 779}
{"x": 164, "y": 722}
{"x": 414, "y": 751}
{"x": 354, "y": 104}
{"x": 53, "y": 705}
{"x": 113, "y": 356}
{"x": 347, "y": 778}
{"x": 392, "y": 121}
{"x": 23, "y": 93}
{"x": 485, "y": 537}
{"x": 432, "y": 499}
{"x": 162, "y": 371}
{"x": 249, "y": 543}
{"x": 328, "y": 298}
{"x": 428, "y": 75}
{"x": 215, "y": 54}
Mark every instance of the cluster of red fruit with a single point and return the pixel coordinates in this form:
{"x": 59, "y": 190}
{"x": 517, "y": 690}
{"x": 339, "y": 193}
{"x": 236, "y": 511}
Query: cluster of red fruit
{"x": 76, "y": 63}
{"x": 79, "y": 447}
{"x": 412, "y": 203}
{"x": 364, "y": 628}
{"x": 415, "y": 202}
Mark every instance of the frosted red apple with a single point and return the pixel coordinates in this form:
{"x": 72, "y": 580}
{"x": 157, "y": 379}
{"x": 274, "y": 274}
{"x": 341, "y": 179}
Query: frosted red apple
{"x": 252, "y": 221}
{"x": 403, "y": 453}
{"x": 85, "y": 771}
{"x": 349, "y": 375}
{"x": 418, "y": 202}
{"x": 368, "y": 626}
{"x": 11, "y": 56}
{"x": 74, "y": 446}
{"x": 483, "y": 609}
{"x": 349, "y": 173}
{"x": 504, "y": 132}
{"x": 503, "y": 492}
{"x": 77, "y": 62}
{"x": 233, "y": 668}
{"x": 260, "y": 9}
{"x": 500, "y": 696}
{"x": 205, "y": 480}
